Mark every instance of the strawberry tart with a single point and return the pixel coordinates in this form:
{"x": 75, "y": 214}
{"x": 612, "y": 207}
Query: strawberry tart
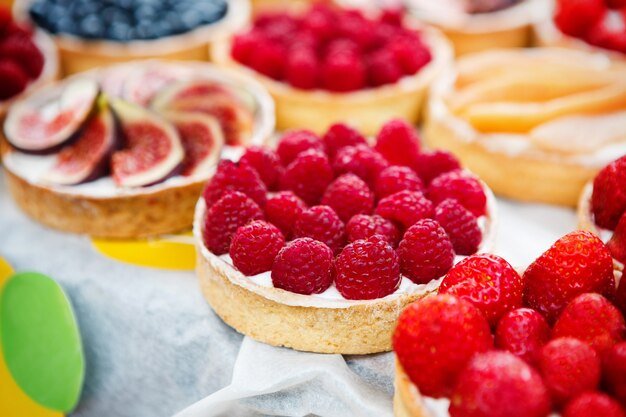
{"x": 588, "y": 25}
{"x": 124, "y": 151}
{"x": 602, "y": 209}
{"x": 494, "y": 343}
{"x": 535, "y": 124}
{"x": 325, "y": 64}
{"x": 334, "y": 237}
{"x": 478, "y": 25}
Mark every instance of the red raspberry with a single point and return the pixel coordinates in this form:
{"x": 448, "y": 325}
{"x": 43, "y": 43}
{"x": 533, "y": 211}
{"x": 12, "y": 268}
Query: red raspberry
{"x": 25, "y": 53}
{"x": 320, "y": 21}
{"x": 278, "y": 27}
{"x": 398, "y": 142}
{"x": 304, "y": 266}
{"x": 432, "y": 164}
{"x": 593, "y": 319}
{"x": 302, "y": 69}
{"x": 283, "y": 209}
{"x": 266, "y": 163}
{"x": 397, "y": 178}
{"x": 349, "y": 195}
{"x": 435, "y": 338}
{"x": 575, "y": 17}
{"x": 254, "y": 247}
{"x": 222, "y": 220}
{"x": 461, "y": 186}
{"x": 608, "y": 33}
{"x": 244, "y": 46}
{"x": 615, "y": 4}
{"x": 569, "y": 368}
{"x": 593, "y": 404}
{"x": 343, "y": 72}
{"x": 617, "y": 243}
{"x": 360, "y": 160}
{"x": 487, "y": 281}
{"x": 362, "y": 226}
{"x": 608, "y": 200}
{"x": 13, "y": 79}
{"x": 460, "y": 225}
{"x": 343, "y": 47}
{"x": 499, "y": 384}
{"x": 268, "y": 58}
{"x": 321, "y": 223}
{"x": 354, "y": 26}
{"x": 382, "y": 68}
{"x": 577, "y": 263}
{"x": 405, "y": 207}
{"x": 620, "y": 296}
{"x": 425, "y": 252}
{"x": 339, "y": 136}
{"x": 410, "y": 53}
{"x": 294, "y": 142}
{"x": 308, "y": 176}
{"x": 6, "y": 17}
{"x": 367, "y": 269}
{"x": 392, "y": 16}
{"x": 614, "y": 371}
{"x": 235, "y": 177}
{"x": 523, "y": 332}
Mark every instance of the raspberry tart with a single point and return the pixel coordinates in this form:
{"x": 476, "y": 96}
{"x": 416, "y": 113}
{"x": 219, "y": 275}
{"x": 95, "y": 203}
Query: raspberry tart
{"x": 347, "y": 235}
{"x": 588, "y": 25}
{"x": 478, "y": 25}
{"x": 324, "y": 64}
{"x": 124, "y": 151}
{"x": 534, "y": 124}
{"x": 494, "y": 343}
{"x": 96, "y": 33}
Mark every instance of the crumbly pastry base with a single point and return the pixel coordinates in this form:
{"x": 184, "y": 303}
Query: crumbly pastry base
{"x": 407, "y": 401}
{"x": 366, "y": 110}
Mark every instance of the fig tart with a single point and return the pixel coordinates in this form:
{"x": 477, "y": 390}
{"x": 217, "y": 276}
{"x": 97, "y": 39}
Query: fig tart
{"x": 325, "y": 64}
{"x": 318, "y": 245}
{"x": 124, "y": 151}
{"x": 494, "y": 343}
{"x": 534, "y": 124}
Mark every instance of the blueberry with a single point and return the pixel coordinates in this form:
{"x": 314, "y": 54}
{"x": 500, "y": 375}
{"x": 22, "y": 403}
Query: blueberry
{"x": 91, "y": 27}
{"x": 119, "y": 32}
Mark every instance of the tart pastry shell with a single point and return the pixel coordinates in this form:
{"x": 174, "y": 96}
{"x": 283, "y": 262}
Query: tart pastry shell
{"x": 407, "y": 400}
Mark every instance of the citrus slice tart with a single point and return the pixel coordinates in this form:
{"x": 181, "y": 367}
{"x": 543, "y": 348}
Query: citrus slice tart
{"x": 96, "y": 34}
{"x": 325, "y": 64}
{"x": 118, "y": 152}
{"x": 496, "y": 343}
{"x": 534, "y": 124}
{"x": 594, "y": 25}
{"x": 478, "y": 25}
{"x": 347, "y": 235}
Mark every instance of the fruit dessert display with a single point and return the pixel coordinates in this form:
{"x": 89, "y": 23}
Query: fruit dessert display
{"x": 494, "y": 343}
{"x": 323, "y": 65}
{"x": 534, "y": 124}
{"x": 124, "y": 151}
{"x": 591, "y": 25}
{"x": 318, "y": 245}
{"x": 92, "y": 33}
{"x": 478, "y": 25}
{"x": 28, "y": 60}
{"x": 602, "y": 209}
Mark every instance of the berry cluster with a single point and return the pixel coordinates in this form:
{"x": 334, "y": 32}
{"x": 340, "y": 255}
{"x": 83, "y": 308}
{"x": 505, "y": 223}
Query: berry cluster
{"x": 330, "y": 209}
{"x": 20, "y": 59}
{"x": 600, "y": 23}
{"x": 608, "y": 204}
{"x": 500, "y": 344}
{"x": 330, "y": 48}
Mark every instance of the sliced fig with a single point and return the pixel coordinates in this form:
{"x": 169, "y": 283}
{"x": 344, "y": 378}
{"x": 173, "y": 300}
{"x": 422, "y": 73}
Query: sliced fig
{"x": 187, "y": 89}
{"x": 46, "y": 121}
{"x": 152, "y": 147}
{"x": 202, "y": 140}
{"x": 146, "y": 81}
{"x": 87, "y": 158}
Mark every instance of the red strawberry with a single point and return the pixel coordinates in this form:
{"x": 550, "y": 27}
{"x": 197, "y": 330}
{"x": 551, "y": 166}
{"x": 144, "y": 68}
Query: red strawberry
{"x": 434, "y": 340}
{"x": 6, "y": 17}
{"x": 25, "y": 53}
{"x": 592, "y": 319}
{"x": 577, "y": 263}
{"x": 397, "y": 178}
{"x": 235, "y": 177}
{"x": 460, "y": 225}
{"x": 266, "y": 163}
{"x": 608, "y": 33}
{"x": 361, "y": 160}
{"x": 283, "y": 209}
{"x": 304, "y": 266}
{"x": 575, "y": 17}
{"x": 614, "y": 371}
{"x": 593, "y": 404}
{"x": 363, "y": 226}
{"x": 615, "y": 4}
{"x": 569, "y": 368}
{"x": 432, "y": 164}
{"x": 294, "y": 142}
{"x": 487, "y": 281}
{"x": 399, "y": 143}
{"x": 620, "y": 296}
{"x": 405, "y": 207}
{"x": 461, "y": 186}
{"x": 308, "y": 176}
{"x": 254, "y": 247}
{"x": 499, "y": 384}
{"x": 349, "y": 195}
{"x": 321, "y": 223}
{"x": 523, "y": 332}
{"x": 425, "y": 252}
{"x": 617, "y": 243}
{"x": 339, "y": 136}
{"x": 367, "y": 269}
{"x": 13, "y": 79}
{"x": 608, "y": 201}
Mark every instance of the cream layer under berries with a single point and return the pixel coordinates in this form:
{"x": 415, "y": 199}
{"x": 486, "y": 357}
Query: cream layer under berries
{"x": 133, "y": 128}
{"x": 331, "y": 221}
